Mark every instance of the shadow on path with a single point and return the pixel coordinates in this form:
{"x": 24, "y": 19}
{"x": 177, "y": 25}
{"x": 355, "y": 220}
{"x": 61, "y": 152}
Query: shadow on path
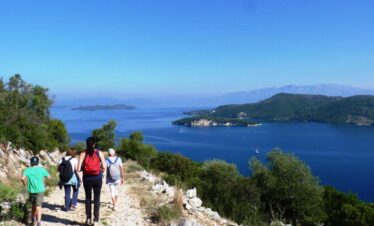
{"x": 52, "y": 206}
{"x": 54, "y": 219}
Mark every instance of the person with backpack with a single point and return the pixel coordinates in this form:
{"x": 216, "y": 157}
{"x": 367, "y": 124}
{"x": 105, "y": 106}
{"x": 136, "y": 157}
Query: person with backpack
{"x": 69, "y": 178}
{"x": 34, "y": 178}
{"x": 92, "y": 163}
{"x": 114, "y": 176}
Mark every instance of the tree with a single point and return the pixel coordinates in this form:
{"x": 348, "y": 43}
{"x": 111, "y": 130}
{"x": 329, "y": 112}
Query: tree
{"x": 105, "y": 135}
{"x": 58, "y": 134}
{"x": 134, "y": 148}
{"x": 217, "y": 178}
{"x": 346, "y": 209}
{"x": 79, "y": 146}
{"x": 180, "y": 169}
{"x": 288, "y": 189}
{"x": 24, "y": 116}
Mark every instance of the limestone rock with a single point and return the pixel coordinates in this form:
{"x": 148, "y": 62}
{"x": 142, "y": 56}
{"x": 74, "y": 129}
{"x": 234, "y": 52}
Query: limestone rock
{"x": 188, "y": 222}
{"x": 170, "y": 191}
{"x": 191, "y": 193}
{"x": 195, "y": 202}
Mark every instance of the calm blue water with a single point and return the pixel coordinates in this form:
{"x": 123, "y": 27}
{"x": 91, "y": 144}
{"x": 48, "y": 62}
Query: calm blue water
{"x": 341, "y": 156}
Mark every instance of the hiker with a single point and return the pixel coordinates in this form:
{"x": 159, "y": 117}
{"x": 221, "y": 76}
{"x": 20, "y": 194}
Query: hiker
{"x": 69, "y": 178}
{"x": 114, "y": 176}
{"x": 34, "y": 178}
{"x": 92, "y": 163}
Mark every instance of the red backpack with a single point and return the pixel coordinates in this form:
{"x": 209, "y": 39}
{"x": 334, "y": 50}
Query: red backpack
{"x": 91, "y": 164}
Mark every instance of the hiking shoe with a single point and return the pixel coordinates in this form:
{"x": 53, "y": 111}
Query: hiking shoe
{"x": 39, "y": 224}
{"x": 96, "y": 223}
{"x": 88, "y": 222}
{"x": 33, "y": 222}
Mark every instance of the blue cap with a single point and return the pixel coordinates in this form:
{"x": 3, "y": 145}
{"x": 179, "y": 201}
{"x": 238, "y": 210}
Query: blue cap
{"x": 34, "y": 161}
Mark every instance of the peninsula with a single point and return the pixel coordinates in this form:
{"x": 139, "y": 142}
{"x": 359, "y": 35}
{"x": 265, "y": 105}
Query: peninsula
{"x": 356, "y": 110}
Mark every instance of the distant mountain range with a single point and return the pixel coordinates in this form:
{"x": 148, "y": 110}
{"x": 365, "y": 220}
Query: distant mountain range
{"x": 358, "y": 110}
{"x": 250, "y": 96}
{"x": 256, "y": 95}
{"x": 104, "y": 107}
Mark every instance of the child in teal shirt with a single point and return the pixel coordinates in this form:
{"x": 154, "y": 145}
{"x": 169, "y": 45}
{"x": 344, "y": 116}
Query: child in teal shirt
{"x": 34, "y": 178}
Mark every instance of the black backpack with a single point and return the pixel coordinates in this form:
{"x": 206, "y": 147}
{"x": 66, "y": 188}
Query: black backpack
{"x": 65, "y": 169}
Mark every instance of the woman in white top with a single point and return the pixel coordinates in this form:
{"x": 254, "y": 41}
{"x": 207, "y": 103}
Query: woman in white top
{"x": 73, "y": 183}
{"x": 115, "y": 175}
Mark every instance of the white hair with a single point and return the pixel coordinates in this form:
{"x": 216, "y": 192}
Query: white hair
{"x": 111, "y": 151}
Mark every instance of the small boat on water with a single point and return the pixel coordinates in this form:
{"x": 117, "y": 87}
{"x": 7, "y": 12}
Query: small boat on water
{"x": 257, "y": 151}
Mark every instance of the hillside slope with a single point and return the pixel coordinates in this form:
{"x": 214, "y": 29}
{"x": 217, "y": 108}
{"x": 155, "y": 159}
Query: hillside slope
{"x": 299, "y": 107}
{"x": 142, "y": 197}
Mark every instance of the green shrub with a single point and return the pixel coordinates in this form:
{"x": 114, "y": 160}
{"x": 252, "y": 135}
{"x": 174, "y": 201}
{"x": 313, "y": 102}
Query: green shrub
{"x": 105, "y": 135}
{"x": 227, "y": 192}
{"x": 135, "y": 149}
{"x": 79, "y": 147}
{"x": 19, "y": 211}
{"x": 179, "y": 169}
{"x": 134, "y": 167}
{"x": 7, "y": 193}
{"x": 288, "y": 189}
{"x": 58, "y": 135}
{"x": 346, "y": 209}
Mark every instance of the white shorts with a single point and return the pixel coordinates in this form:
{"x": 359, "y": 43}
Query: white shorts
{"x": 113, "y": 188}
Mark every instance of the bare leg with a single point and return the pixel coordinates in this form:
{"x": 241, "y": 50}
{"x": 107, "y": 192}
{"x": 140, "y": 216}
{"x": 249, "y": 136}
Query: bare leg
{"x": 33, "y": 213}
{"x": 39, "y": 213}
{"x": 116, "y": 200}
{"x": 113, "y": 201}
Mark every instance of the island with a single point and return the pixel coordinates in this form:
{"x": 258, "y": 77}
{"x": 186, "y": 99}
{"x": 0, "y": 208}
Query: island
{"x": 104, "y": 107}
{"x": 213, "y": 121}
{"x": 356, "y": 110}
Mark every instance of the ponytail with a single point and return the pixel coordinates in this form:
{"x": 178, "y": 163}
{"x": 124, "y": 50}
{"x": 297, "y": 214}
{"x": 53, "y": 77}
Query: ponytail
{"x": 90, "y": 145}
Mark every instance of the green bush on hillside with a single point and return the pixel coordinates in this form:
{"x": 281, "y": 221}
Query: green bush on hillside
{"x": 179, "y": 169}
{"x": 226, "y": 191}
{"x": 135, "y": 149}
{"x": 346, "y": 209}
{"x": 105, "y": 135}
{"x": 288, "y": 189}
{"x": 7, "y": 194}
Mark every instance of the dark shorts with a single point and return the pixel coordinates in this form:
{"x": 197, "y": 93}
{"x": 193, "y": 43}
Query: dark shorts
{"x": 37, "y": 199}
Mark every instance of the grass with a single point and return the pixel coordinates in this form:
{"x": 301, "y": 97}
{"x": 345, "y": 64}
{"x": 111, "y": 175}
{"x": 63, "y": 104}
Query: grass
{"x": 160, "y": 214}
{"x": 7, "y": 194}
{"x": 132, "y": 166}
{"x": 52, "y": 182}
{"x": 167, "y": 213}
{"x": 178, "y": 199}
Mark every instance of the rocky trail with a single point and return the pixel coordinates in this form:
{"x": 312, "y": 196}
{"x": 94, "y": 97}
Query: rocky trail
{"x": 145, "y": 199}
{"x": 129, "y": 211}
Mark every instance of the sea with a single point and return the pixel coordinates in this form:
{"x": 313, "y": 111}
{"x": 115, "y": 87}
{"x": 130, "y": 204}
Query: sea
{"x": 339, "y": 155}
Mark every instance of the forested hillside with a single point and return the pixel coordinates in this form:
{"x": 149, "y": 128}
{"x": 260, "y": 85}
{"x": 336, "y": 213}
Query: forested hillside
{"x": 25, "y": 118}
{"x": 299, "y": 107}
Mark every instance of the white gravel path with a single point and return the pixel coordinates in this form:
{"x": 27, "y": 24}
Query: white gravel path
{"x": 128, "y": 212}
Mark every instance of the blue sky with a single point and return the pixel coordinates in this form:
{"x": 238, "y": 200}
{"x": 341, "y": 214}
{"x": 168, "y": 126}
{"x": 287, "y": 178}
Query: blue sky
{"x": 193, "y": 47}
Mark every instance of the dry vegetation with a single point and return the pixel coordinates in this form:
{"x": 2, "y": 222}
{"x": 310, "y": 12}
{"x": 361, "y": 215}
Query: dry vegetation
{"x": 155, "y": 206}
